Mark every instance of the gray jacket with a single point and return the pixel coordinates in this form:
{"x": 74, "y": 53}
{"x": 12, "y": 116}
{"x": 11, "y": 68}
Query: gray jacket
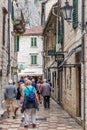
{"x": 10, "y": 92}
{"x": 45, "y": 89}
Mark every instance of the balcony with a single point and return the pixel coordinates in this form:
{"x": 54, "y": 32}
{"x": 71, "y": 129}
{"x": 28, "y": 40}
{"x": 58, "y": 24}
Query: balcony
{"x": 19, "y": 22}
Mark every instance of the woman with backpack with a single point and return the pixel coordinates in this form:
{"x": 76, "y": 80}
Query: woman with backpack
{"x": 30, "y": 103}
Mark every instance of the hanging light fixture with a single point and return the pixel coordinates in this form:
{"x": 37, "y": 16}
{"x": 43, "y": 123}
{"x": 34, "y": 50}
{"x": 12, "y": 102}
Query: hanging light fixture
{"x": 67, "y": 11}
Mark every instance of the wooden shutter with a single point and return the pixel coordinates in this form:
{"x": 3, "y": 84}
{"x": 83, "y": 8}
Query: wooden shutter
{"x": 12, "y": 11}
{"x": 60, "y": 30}
{"x": 34, "y": 59}
{"x": 31, "y": 41}
{"x": 35, "y": 41}
{"x": 31, "y": 59}
{"x": 75, "y": 14}
{"x": 16, "y": 43}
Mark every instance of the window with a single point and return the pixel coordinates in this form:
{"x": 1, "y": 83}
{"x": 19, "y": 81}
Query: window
{"x": 16, "y": 43}
{"x": 33, "y": 59}
{"x": 33, "y": 41}
{"x": 75, "y": 14}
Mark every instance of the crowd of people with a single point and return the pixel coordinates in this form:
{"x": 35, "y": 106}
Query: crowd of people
{"x": 26, "y": 96}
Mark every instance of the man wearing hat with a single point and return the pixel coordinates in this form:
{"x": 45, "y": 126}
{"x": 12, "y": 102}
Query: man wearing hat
{"x": 10, "y": 97}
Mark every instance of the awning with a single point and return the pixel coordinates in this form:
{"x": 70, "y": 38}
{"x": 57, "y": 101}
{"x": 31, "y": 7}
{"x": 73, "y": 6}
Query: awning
{"x": 31, "y": 72}
{"x": 74, "y": 50}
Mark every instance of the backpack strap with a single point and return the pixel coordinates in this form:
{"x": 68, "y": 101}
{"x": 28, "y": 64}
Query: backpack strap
{"x": 29, "y": 89}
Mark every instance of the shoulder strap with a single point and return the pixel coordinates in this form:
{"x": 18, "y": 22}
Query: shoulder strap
{"x": 29, "y": 89}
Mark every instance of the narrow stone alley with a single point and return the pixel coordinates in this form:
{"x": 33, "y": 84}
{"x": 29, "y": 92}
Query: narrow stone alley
{"x": 54, "y": 119}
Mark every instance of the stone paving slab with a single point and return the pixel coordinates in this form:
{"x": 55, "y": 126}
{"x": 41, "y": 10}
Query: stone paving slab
{"x": 53, "y": 119}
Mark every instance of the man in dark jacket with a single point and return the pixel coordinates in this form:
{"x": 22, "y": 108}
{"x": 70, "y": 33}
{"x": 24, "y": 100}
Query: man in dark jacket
{"x": 46, "y": 92}
{"x": 10, "y": 97}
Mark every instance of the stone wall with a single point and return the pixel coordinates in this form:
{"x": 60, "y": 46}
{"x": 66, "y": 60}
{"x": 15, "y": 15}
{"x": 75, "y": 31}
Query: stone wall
{"x": 72, "y": 38}
{"x": 86, "y": 69}
{"x": 4, "y": 49}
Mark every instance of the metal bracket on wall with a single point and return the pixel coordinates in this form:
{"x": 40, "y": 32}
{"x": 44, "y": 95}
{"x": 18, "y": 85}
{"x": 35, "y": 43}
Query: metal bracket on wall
{"x": 66, "y": 66}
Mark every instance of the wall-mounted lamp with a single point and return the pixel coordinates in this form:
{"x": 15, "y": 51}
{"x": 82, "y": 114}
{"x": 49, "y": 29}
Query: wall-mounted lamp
{"x": 67, "y": 11}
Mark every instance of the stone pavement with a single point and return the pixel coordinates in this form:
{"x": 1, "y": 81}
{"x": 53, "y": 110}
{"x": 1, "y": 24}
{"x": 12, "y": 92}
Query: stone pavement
{"x": 54, "y": 119}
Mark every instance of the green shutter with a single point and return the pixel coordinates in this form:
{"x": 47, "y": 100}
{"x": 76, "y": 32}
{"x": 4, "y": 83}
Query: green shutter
{"x": 60, "y": 30}
{"x": 12, "y": 12}
{"x": 16, "y": 43}
{"x": 33, "y": 59}
{"x": 31, "y": 41}
{"x": 35, "y": 41}
{"x": 75, "y": 14}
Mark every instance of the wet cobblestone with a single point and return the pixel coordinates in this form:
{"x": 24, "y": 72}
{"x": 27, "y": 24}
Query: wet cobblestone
{"x": 54, "y": 119}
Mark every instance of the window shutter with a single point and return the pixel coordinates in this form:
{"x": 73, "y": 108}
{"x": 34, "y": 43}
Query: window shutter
{"x": 17, "y": 43}
{"x": 31, "y": 41}
{"x": 75, "y": 14}
{"x": 12, "y": 12}
{"x": 33, "y": 59}
{"x": 60, "y": 30}
{"x": 35, "y": 41}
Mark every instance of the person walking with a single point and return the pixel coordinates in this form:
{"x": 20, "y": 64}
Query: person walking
{"x": 18, "y": 97}
{"x": 21, "y": 80}
{"x": 33, "y": 83}
{"x": 49, "y": 82}
{"x": 30, "y": 103}
{"x": 46, "y": 92}
{"x": 10, "y": 97}
{"x": 39, "y": 91}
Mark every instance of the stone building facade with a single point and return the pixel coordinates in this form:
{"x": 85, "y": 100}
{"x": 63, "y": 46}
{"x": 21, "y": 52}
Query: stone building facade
{"x": 30, "y": 55}
{"x": 49, "y": 21}
{"x": 72, "y": 82}
{"x": 72, "y": 85}
{"x": 8, "y": 57}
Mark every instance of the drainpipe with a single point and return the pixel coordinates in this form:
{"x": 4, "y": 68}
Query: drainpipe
{"x": 83, "y": 67}
{"x": 9, "y": 36}
{"x": 57, "y": 94}
{"x": 59, "y": 74}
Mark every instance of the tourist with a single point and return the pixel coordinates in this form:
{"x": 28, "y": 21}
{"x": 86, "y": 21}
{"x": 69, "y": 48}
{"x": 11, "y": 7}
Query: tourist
{"x": 46, "y": 92}
{"x": 29, "y": 106}
{"x": 10, "y": 97}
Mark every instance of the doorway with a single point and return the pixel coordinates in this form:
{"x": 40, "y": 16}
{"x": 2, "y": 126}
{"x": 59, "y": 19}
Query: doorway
{"x": 78, "y": 91}
{"x": 78, "y": 85}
